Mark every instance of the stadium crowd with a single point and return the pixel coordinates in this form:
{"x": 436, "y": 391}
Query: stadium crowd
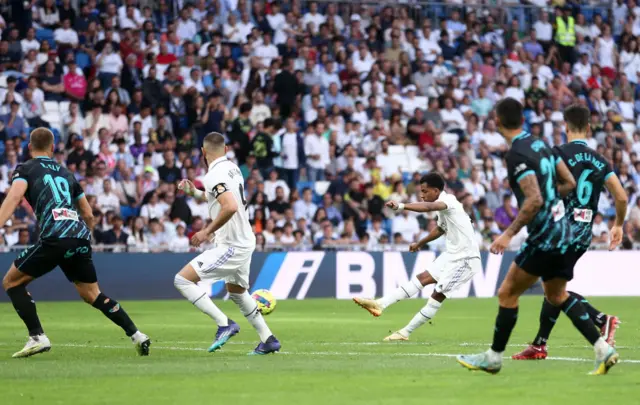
{"x": 329, "y": 109}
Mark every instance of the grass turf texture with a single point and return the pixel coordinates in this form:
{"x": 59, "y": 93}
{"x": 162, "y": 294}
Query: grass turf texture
{"x": 332, "y": 354}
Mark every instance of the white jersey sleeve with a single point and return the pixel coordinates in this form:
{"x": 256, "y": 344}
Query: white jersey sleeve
{"x": 458, "y": 228}
{"x": 225, "y": 177}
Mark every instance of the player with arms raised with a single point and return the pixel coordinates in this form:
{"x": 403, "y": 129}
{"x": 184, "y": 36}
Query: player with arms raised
{"x": 65, "y": 241}
{"x": 450, "y": 271}
{"x": 593, "y": 173}
{"x": 230, "y": 259}
{"x": 532, "y": 168}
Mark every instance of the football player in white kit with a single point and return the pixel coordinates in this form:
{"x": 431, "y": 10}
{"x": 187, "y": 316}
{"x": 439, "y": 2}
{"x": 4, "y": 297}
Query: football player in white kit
{"x": 454, "y": 267}
{"x": 234, "y": 243}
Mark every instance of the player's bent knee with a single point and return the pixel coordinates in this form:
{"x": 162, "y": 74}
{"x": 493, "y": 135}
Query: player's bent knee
{"x": 14, "y": 278}
{"x": 188, "y": 273}
{"x": 180, "y": 281}
{"x": 88, "y": 292}
{"x": 235, "y": 289}
{"x": 7, "y": 282}
{"x": 507, "y": 296}
{"x": 556, "y": 299}
{"x": 426, "y": 278}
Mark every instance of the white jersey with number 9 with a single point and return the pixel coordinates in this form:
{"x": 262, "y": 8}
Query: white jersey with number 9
{"x": 224, "y": 176}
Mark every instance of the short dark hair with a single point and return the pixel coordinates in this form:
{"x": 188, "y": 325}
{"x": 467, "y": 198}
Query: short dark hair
{"x": 213, "y": 141}
{"x": 269, "y": 122}
{"x": 509, "y": 113}
{"x": 245, "y": 107}
{"x": 577, "y": 118}
{"x": 41, "y": 139}
{"x": 433, "y": 179}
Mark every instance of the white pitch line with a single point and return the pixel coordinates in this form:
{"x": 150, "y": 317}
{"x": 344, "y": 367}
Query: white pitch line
{"x": 323, "y": 353}
{"x": 410, "y": 343}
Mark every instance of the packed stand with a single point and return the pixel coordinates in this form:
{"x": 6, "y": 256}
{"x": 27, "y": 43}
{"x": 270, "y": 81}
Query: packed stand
{"x": 329, "y": 109}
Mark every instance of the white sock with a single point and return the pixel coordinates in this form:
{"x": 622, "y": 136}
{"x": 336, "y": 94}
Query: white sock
{"x": 425, "y": 314}
{"x": 249, "y": 309}
{"x": 494, "y": 356}
{"x": 198, "y": 297}
{"x": 138, "y": 336}
{"x": 601, "y": 348}
{"x": 406, "y": 290}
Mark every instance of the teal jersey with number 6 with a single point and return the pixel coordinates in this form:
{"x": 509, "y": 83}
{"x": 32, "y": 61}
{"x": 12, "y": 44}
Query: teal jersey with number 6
{"x": 52, "y": 192}
{"x": 591, "y": 170}
{"x": 549, "y": 230}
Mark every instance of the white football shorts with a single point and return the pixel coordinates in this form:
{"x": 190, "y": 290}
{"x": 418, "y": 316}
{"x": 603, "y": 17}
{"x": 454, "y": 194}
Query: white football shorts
{"x": 227, "y": 263}
{"x": 452, "y": 273}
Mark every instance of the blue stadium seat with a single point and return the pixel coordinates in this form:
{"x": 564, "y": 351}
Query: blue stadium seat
{"x": 304, "y": 184}
{"x": 386, "y": 225}
{"x": 126, "y": 211}
{"x": 83, "y": 60}
{"x": 236, "y": 52}
{"x": 406, "y": 177}
{"x": 56, "y": 135}
{"x": 46, "y": 35}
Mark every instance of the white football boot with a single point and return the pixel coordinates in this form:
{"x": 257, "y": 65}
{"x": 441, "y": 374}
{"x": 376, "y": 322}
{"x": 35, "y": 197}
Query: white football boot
{"x": 396, "y": 337}
{"x": 141, "y": 342}
{"x": 35, "y": 345}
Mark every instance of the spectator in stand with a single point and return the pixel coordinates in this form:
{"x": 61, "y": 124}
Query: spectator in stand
{"x": 116, "y": 235}
{"x": 316, "y": 149}
{"x": 109, "y": 65}
{"x": 156, "y": 239}
{"x": 108, "y": 200}
{"x": 168, "y": 172}
{"x": 305, "y": 208}
{"x": 406, "y": 226}
{"x": 506, "y": 214}
{"x": 239, "y": 137}
{"x": 75, "y": 85}
{"x": 13, "y": 124}
{"x": 286, "y": 88}
{"x": 152, "y": 209}
{"x": 279, "y": 205}
{"x": 262, "y": 147}
{"x": 364, "y": 95}
{"x": 600, "y": 229}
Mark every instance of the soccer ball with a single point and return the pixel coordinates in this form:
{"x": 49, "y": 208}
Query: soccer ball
{"x": 266, "y": 301}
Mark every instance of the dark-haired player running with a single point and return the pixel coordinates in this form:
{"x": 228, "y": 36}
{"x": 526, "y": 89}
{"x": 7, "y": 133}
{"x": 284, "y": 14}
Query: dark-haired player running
{"x": 454, "y": 268}
{"x": 65, "y": 219}
{"x": 593, "y": 173}
{"x": 539, "y": 180}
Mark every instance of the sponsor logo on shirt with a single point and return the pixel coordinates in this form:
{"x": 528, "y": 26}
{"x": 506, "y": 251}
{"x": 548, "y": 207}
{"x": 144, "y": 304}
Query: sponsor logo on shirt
{"x": 582, "y": 215}
{"x": 64, "y": 214}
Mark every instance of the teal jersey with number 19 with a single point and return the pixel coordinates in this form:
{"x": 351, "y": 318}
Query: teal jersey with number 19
{"x": 52, "y": 192}
{"x": 549, "y": 230}
{"x": 591, "y": 170}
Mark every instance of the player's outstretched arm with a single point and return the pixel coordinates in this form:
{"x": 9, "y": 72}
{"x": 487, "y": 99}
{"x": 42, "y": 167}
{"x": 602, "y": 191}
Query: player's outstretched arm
{"x": 228, "y": 207}
{"x": 620, "y": 197}
{"x": 418, "y": 206}
{"x": 530, "y": 207}
{"x": 433, "y": 235}
{"x": 11, "y": 201}
{"x": 566, "y": 181}
{"x": 190, "y": 189}
{"x": 86, "y": 212}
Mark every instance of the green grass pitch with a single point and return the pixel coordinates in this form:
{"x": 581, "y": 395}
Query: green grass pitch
{"x": 332, "y": 354}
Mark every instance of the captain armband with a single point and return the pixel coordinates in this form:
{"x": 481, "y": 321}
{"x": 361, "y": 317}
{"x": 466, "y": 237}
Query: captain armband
{"x": 218, "y": 189}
